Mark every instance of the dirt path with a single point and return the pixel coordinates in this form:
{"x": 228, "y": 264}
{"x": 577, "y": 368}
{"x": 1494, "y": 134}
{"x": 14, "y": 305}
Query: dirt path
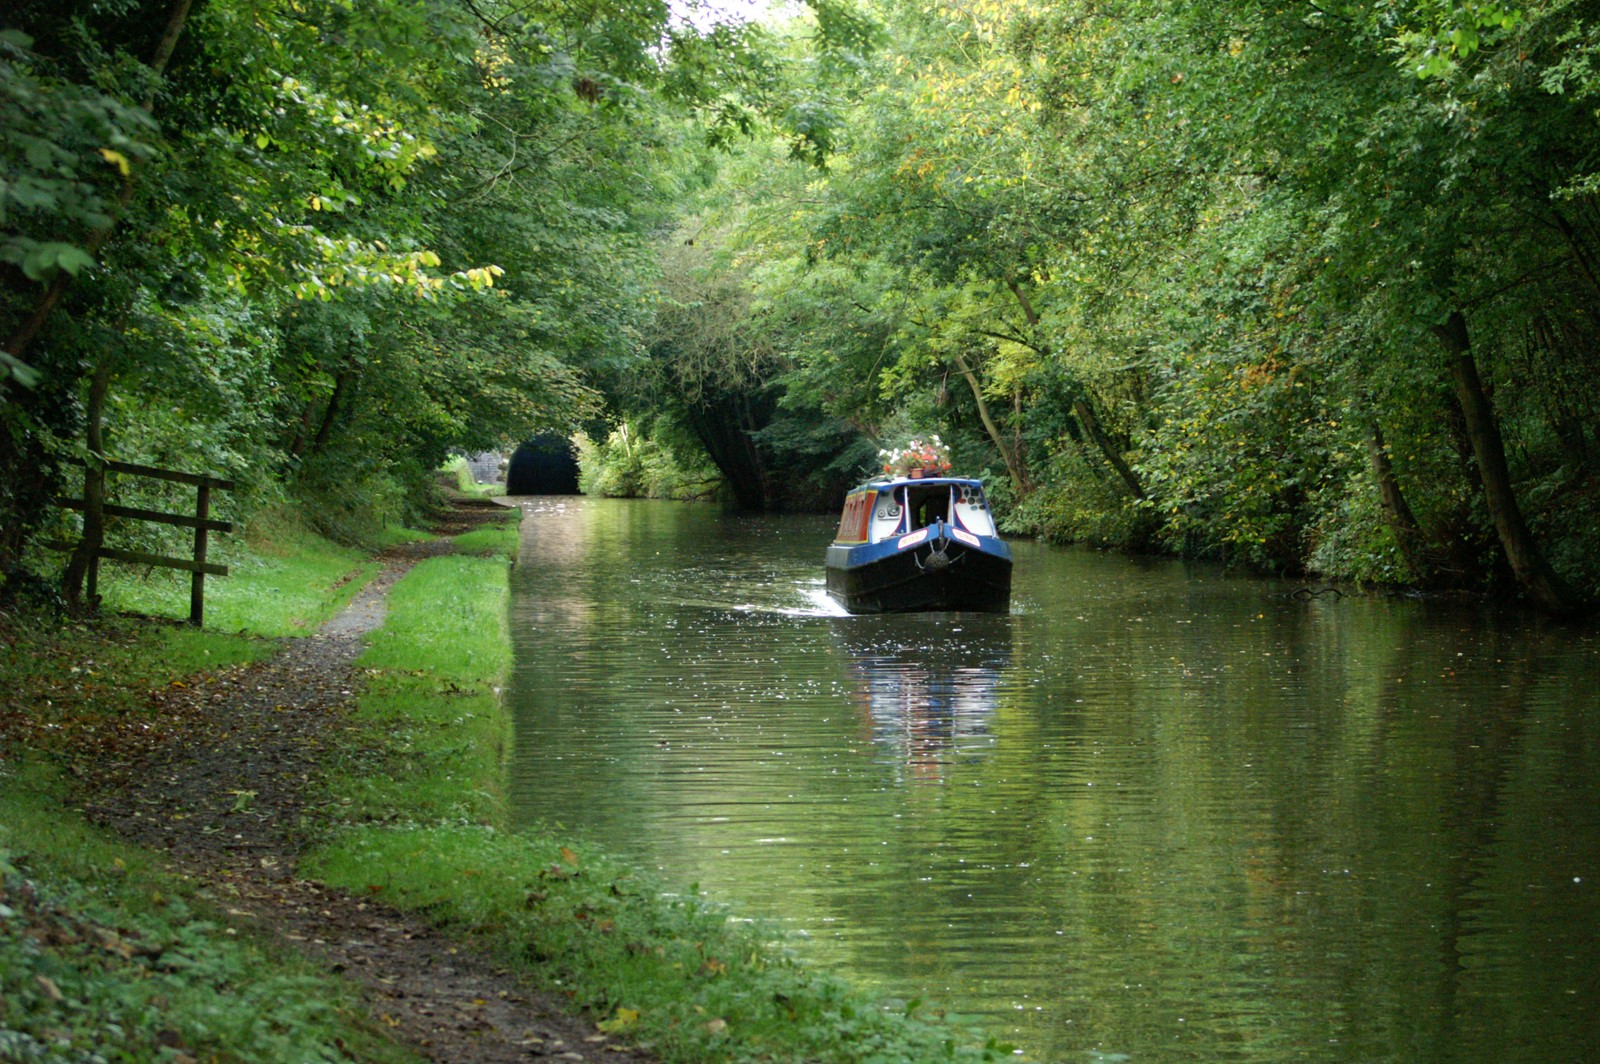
{"x": 225, "y": 805}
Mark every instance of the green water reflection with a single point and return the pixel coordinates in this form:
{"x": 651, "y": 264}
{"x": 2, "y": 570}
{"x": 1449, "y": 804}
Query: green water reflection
{"x": 1159, "y": 811}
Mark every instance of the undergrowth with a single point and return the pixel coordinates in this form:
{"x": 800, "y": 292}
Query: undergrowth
{"x": 459, "y": 471}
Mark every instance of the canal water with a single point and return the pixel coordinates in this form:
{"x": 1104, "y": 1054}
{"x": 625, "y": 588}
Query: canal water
{"x": 1159, "y": 813}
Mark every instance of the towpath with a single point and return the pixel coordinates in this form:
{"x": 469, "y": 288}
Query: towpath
{"x": 227, "y": 801}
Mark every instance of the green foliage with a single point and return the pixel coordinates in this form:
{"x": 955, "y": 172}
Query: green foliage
{"x": 332, "y": 243}
{"x": 1350, "y": 540}
{"x": 1173, "y": 265}
{"x": 65, "y": 150}
{"x": 1164, "y": 264}
{"x": 460, "y": 472}
{"x": 1075, "y": 503}
{"x": 628, "y": 465}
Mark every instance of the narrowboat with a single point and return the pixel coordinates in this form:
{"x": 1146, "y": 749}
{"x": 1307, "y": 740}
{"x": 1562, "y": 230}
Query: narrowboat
{"x": 919, "y": 543}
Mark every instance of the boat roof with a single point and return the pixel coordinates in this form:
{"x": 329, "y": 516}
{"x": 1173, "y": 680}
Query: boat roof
{"x": 880, "y": 483}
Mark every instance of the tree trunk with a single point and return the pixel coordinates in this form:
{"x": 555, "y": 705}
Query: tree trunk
{"x": 341, "y": 386}
{"x": 85, "y": 560}
{"x": 1107, "y": 447}
{"x": 1397, "y": 512}
{"x": 1029, "y": 315}
{"x": 1092, "y": 425}
{"x": 1532, "y": 571}
{"x": 302, "y": 429}
{"x": 723, "y": 422}
{"x": 1580, "y": 253}
{"x": 1012, "y": 460}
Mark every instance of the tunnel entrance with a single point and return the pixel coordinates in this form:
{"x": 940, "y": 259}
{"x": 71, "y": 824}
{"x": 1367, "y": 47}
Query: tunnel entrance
{"x": 545, "y": 465}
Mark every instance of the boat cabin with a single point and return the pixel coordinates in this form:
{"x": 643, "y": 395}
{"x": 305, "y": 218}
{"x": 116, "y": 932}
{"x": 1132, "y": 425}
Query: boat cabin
{"x": 882, "y": 510}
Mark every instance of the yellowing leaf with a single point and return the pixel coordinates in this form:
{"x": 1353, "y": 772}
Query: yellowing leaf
{"x": 568, "y": 856}
{"x": 117, "y": 159}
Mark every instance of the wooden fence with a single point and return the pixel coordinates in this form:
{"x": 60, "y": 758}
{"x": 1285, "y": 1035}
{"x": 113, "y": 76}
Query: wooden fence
{"x": 201, "y": 522}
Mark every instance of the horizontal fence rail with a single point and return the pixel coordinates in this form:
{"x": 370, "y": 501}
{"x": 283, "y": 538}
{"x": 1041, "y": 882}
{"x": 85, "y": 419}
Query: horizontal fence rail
{"x": 201, "y": 522}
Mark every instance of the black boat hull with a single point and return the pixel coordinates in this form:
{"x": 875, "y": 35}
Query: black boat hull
{"x": 916, "y": 580}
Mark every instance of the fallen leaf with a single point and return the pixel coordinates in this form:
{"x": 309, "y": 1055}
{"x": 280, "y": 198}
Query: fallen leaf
{"x": 624, "y": 1019}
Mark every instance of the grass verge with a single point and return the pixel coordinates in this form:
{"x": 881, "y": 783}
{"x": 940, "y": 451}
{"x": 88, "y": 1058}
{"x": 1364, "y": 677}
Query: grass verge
{"x": 500, "y": 538}
{"x": 426, "y": 830}
{"x": 104, "y": 956}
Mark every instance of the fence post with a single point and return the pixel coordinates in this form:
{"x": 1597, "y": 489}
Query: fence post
{"x": 91, "y": 516}
{"x": 197, "y": 581}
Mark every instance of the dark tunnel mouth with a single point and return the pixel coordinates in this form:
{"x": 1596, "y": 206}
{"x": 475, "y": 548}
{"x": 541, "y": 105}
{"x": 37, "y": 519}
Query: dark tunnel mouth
{"x": 544, "y": 465}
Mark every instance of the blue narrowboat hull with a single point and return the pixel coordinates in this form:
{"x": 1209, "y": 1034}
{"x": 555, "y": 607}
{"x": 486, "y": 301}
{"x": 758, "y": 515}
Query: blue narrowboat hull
{"x": 935, "y": 568}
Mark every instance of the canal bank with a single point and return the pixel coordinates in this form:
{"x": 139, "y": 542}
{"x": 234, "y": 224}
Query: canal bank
{"x": 390, "y": 762}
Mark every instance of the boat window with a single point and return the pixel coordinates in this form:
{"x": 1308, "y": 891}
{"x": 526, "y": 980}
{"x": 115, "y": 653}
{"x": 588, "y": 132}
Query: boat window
{"x": 927, "y": 505}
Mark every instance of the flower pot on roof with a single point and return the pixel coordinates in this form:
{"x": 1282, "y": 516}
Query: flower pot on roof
{"x": 917, "y": 459}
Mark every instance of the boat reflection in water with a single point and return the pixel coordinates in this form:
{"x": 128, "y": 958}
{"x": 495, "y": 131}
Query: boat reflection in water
{"x": 926, "y": 686}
